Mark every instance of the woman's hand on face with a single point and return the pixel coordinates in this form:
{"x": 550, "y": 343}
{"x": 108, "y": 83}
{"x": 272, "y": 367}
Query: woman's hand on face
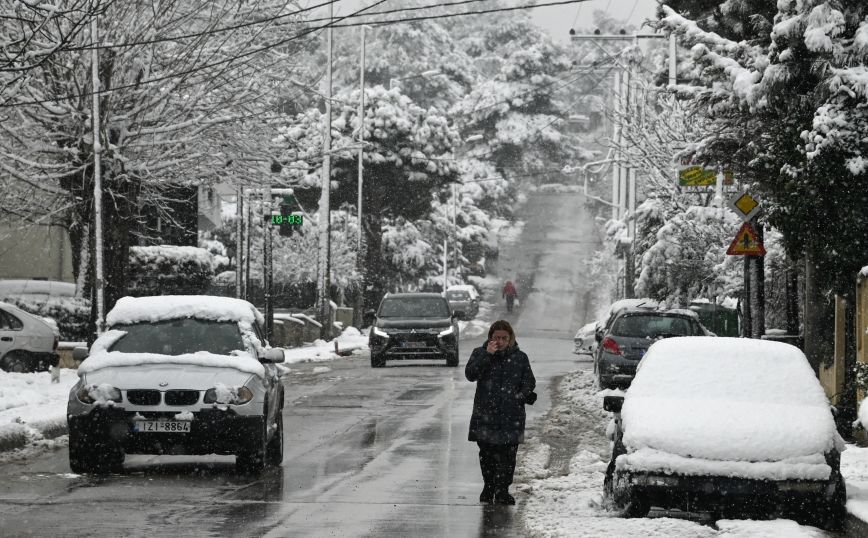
{"x": 492, "y": 347}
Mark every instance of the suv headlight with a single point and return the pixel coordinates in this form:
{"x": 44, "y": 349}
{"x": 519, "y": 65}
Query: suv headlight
{"x": 228, "y": 395}
{"x": 103, "y": 394}
{"x": 446, "y": 333}
{"x": 380, "y": 332}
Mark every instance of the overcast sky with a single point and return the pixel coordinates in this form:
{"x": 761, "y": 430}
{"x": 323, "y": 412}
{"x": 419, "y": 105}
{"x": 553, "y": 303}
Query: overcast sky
{"x": 556, "y": 19}
{"x": 559, "y": 19}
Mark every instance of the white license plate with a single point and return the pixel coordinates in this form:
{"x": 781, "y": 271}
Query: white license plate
{"x": 162, "y": 426}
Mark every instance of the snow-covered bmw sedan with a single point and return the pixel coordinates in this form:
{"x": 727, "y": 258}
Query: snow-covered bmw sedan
{"x": 177, "y": 375}
{"x": 727, "y": 425}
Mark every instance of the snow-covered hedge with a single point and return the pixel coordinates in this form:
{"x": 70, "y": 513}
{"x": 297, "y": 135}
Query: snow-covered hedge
{"x": 70, "y": 313}
{"x": 169, "y": 269}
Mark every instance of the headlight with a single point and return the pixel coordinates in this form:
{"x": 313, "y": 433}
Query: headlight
{"x": 380, "y": 332}
{"x": 103, "y": 394}
{"x": 228, "y": 395}
{"x": 447, "y": 332}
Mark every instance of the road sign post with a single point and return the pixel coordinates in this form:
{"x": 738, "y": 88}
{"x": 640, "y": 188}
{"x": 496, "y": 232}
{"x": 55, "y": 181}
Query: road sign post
{"x": 748, "y": 242}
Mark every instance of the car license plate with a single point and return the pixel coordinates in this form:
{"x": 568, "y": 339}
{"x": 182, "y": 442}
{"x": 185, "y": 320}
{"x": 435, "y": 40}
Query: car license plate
{"x": 413, "y": 344}
{"x": 162, "y": 426}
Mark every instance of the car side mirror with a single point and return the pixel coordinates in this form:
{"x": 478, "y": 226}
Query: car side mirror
{"x": 79, "y": 353}
{"x": 598, "y": 336}
{"x": 613, "y": 404}
{"x": 273, "y": 355}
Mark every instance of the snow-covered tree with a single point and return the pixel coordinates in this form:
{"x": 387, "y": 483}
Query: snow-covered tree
{"x": 182, "y": 83}
{"x": 407, "y": 159}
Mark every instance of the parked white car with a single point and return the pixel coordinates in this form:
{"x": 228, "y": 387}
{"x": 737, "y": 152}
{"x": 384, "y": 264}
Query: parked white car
{"x": 27, "y": 342}
{"x": 730, "y": 425}
{"x": 177, "y": 375}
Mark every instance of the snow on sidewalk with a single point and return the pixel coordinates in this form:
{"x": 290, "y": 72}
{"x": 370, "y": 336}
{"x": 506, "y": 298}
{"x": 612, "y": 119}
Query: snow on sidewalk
{"x": 32, "y": 408}
{"x": 572, "y": 504}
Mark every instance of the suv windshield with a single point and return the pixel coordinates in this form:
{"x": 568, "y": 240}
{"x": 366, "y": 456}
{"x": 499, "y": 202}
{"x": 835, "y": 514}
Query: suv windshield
{"x": 180, "y": 336}
{"x": 457, "y": 295}
{"x": 414, "y": 307}
{"x": 653, "y": 325}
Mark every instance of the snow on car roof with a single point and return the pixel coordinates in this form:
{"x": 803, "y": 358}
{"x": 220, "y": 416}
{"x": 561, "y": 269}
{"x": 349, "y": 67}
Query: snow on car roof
{"x": 727, "y": 399}
{"x": 464, "y": 287}
{"x": 632, "y": 303}
{"x": 164, "y": 307}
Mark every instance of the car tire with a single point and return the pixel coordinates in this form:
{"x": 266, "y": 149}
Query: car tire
{"x": 452, "y": 359}
{"x": 602, "y": 384}
{"x": 274, "y": 450}
{"x": 16, "y": 361}
{"x": 831, "y": 514}
{"x": 100, "y": 457}
{"x": 377, "y": 361}
{"x": 251, "y": 460}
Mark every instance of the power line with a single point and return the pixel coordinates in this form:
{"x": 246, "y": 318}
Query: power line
{"x": 282, "y": 42}
{"x": 188, "y": 71}
{"x": 267, "y": 20}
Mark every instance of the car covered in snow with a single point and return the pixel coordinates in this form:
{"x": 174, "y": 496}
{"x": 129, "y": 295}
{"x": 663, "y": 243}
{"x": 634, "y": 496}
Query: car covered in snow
{"x": 28, "y": 343}
{"x": 726, "y": 425}
{"x": 177, "y": 375}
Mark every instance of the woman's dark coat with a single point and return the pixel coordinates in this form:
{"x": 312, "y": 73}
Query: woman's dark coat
{"x": 503, "y": 382}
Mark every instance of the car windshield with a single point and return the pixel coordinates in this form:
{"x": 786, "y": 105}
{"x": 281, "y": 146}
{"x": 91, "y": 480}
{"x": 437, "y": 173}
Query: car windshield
{"x": 651, "y": 326}
{"x": 457, "y": 295}
{"x": 180, "y": 336}
{"x": 414, "y": 307}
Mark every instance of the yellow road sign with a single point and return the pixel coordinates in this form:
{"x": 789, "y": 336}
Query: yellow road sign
{"x": 744, "y": 205}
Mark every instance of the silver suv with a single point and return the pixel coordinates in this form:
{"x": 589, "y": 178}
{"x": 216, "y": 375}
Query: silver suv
{"x": 177, "y": 375}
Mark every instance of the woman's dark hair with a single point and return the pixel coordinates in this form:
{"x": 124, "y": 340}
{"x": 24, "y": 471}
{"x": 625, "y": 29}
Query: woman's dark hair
{"x": 502, "y": 325}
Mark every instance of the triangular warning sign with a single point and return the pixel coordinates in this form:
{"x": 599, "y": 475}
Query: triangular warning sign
{"x": 746, "y": 243}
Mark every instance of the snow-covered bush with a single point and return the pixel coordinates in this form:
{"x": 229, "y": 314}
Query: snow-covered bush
{"x": 71, "y": 314}
{"x": 169, "y": 270}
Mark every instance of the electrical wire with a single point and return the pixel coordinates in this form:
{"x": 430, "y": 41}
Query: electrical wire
{"x": 279, "y": 43}
{"x": 188, "y": 71}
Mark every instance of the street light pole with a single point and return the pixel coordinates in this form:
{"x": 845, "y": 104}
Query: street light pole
{"x": 324, "y": 281}
{"x": 454, "y": 228}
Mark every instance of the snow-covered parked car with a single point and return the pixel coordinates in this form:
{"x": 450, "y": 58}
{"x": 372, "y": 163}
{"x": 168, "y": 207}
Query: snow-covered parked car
{"x": 728, "y": 425}
{"x": 28, "y": 343}
{"x": 177, "y": 375}
{"x": 584, "y": 341}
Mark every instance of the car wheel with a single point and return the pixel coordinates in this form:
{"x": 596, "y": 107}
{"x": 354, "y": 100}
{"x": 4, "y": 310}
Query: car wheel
{"x": 831, "y": 514}
{"x": 252, "y": 459}
{"x": 452, "y": 359}
{"x": 377, "y": 361}
{"x": 274, "y": 451}
{"x": 16, "y": 361}
{"x": 98, "y": 457}
{"x": 602, "y": 384}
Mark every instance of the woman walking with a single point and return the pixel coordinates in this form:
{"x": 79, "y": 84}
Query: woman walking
{"x": 504, "y": 384}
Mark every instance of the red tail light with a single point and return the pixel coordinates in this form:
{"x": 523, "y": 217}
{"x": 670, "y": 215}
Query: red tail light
{"x": 611, "y": 346}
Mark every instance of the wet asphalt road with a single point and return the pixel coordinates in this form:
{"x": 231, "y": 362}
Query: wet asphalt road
{"x": 367, "y": 452}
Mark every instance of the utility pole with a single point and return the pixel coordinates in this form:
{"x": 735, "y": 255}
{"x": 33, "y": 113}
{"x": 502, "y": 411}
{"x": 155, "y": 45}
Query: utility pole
{"x": 268, "y": 260}
{"x": 360, "y": 255}
{"x": 239, "y": 241}
{"x": 454, "y": 228}
{"x": 99, "y": 285}
{"x": 324, "y": 283}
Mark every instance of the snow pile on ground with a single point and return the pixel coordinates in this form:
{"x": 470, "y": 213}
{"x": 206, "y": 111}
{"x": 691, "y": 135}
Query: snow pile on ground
{"x": 30, "y": 404}
{"x": 350, "y": 341}
{"x": 748, "y": 401}
{"x": 854, "y": 467}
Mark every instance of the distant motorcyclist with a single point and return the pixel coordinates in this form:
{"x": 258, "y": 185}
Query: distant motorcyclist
{"x": 510, "y": 293}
